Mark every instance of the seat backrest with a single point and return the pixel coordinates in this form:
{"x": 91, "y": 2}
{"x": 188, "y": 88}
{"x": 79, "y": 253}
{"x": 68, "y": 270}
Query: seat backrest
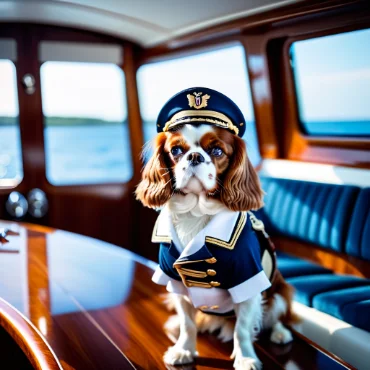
{"x": 313, "y": 212}
{"x": 358, "y": 240}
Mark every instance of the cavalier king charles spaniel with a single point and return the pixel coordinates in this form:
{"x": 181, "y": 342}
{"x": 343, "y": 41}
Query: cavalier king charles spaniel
{"x": 196, "y": 172}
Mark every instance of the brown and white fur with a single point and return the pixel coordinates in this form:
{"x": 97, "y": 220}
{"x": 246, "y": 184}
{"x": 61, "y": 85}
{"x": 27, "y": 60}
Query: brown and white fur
{"x": 197, "y": 171}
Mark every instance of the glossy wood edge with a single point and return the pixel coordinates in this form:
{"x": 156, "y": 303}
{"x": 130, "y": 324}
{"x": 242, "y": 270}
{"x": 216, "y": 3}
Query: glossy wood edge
{"x": 338, "y": 262}
{"x": 259, "y": 79}
{"x": 29, "y": 339}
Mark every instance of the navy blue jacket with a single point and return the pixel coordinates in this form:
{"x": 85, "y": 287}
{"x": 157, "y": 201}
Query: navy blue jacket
{"x": 224, "y": 256}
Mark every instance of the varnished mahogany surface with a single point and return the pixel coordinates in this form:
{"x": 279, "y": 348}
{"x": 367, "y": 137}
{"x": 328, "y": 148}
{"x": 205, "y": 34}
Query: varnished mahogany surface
{"x": 97, "y": 308}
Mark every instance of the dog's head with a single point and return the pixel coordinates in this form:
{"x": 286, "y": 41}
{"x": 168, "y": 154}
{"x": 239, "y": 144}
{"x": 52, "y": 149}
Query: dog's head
{"x": 200, "y": 159}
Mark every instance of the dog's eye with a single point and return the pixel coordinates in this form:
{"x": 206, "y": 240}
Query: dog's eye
{"x": 216, "y": 152}
{"x": 176, "y": 150}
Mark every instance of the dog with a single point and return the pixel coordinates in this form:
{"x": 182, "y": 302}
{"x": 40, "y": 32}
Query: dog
{"x": 202, "y": 180}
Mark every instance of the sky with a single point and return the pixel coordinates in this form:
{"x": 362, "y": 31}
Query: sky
{"x": 89, "y": 90}
{"x": 8, "y": 89}
{"x": 332, "y": 75}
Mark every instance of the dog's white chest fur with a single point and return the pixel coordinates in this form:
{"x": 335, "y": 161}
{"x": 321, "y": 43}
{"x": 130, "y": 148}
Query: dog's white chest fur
{"x": 187, "y": 226}
{"x": 191, "y": 213}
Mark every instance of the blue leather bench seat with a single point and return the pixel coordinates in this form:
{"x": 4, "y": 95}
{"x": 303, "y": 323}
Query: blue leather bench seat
{"x": 351, "y": 305}
{"x": 358, "y": 239}
{"x": 309, "y": 287}
{"x": 330, "y": 216}
{"x": 313, "y": 212}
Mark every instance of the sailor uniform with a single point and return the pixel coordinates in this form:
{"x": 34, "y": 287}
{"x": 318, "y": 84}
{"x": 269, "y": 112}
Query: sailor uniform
{"x": 219, "y": 267}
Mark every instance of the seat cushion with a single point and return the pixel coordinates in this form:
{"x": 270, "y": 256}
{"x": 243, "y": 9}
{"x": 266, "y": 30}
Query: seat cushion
{"x": 291, "y": 266}
{"x": 350, "y": 305}
{"x": 307, "y": 287}
{"x": 359, "y": 231}
{"x": 308, "y": 210}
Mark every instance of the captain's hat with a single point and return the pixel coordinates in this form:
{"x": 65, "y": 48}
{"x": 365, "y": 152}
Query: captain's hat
{"x": 201, "y": 105}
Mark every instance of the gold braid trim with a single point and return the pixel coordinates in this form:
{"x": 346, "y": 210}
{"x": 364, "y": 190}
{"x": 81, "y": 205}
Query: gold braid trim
{"x": 230, "y": 244}
{"x": 186, "y": 116}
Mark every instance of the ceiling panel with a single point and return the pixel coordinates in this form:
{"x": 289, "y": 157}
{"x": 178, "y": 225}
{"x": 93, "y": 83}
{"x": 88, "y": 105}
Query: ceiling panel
{"x": 146, "y": 22}
{"x": 174, "y": 14}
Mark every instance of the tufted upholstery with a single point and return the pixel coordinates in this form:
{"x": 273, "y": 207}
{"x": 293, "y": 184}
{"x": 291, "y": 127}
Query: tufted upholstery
{"x": 330, "y": 216}
{"x": 313, "y": 212}
{"x": 358, "y": 241}
{"x": 307, "y": 287}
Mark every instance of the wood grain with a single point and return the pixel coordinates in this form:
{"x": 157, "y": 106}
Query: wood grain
{"x": 96, "y": 306}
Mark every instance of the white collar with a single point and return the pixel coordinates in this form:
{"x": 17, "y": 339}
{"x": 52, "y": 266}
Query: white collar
{"x": 220, "y": 227}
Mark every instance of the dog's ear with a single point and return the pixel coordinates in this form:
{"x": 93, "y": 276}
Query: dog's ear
{"x": 241, "y": 189}
{"x": 155, "y": 188}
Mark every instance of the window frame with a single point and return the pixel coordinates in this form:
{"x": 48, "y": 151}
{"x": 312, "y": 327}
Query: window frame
{"x": 300, "y": 136}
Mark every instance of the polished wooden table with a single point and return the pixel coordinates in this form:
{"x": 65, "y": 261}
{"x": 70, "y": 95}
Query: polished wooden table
{"x": 73, "y": 302}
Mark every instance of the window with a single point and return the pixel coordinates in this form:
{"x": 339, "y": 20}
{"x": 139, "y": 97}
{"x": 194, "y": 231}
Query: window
{"x": 223, "y": 70}
{"x": 86, "y": 131}
{"x": 85, "y": 114}
{"x": 332, "y": 78}
{"x": 11, "y": 169}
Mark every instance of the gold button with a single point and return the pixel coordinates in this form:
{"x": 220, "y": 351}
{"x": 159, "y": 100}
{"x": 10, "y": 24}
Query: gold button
{"x": 215, "y": 283}
{"x": 214, "y": 307}
{"x": 211, "y": 272}
{"x": 211, "y": 260}
{"x": 189, "y": 285}
{"x": 203, "y": 307}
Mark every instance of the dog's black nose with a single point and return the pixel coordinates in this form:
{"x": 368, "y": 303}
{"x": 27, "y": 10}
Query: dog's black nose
{"x": 195, "y": 159}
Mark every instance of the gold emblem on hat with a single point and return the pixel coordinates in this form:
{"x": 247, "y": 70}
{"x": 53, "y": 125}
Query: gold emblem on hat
{"x": 197, "y": 101}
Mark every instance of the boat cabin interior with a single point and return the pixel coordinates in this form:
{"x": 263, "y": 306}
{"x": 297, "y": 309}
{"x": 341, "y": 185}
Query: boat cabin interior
{"x": 81, "y": 86}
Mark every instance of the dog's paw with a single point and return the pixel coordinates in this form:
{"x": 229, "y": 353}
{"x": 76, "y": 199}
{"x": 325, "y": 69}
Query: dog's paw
{"x": 247, "y": 363}
{"x": 280, "y": 334}
{"x": 179, "y": 356}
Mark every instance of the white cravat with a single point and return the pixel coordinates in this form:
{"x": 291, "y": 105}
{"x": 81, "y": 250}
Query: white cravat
{"x": 197, "y": 205}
